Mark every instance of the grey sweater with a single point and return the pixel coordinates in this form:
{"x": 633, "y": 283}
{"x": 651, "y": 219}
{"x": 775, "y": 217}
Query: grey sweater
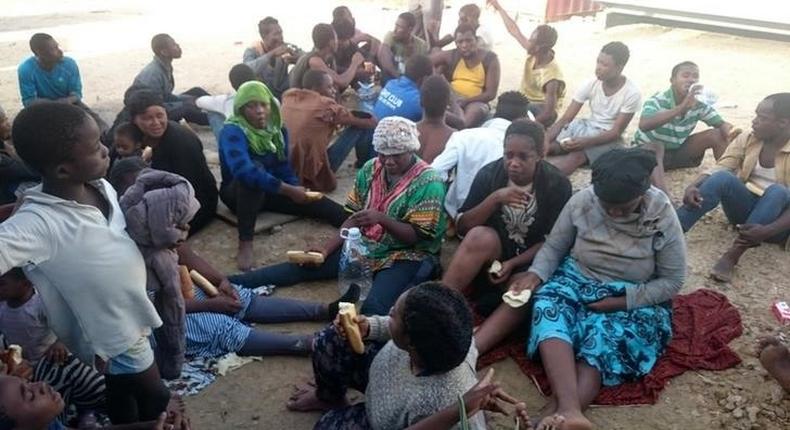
{"x": 395, "y": 398}
{"x": 647, "y": 249}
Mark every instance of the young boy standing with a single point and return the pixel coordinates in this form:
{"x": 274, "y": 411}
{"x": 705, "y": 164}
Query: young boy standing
{"x": 69, "y": 236}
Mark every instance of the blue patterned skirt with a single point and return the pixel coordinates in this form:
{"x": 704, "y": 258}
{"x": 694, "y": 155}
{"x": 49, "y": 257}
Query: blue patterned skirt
{"x": 622, "y": 346}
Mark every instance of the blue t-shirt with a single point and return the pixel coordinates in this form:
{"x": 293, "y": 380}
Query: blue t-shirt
{"x": 400, "y": 97}
{"x": 62, "y": 81}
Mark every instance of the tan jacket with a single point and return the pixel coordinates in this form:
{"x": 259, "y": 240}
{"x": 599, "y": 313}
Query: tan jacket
{"x": 744, "y": 152}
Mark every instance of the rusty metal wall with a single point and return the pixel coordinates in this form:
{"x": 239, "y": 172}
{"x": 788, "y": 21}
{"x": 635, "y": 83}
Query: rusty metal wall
{"x": 558, "y": 10}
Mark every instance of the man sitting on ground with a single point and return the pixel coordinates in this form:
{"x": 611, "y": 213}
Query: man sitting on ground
{"x": 270, "y": 57}
{"x": 512, "y": 206}
{"x": 311, "y": 116}
{"x": 399, "y": 46}
{"x": 50, "y": 76}
{"x": 668, "y": 119}
{"x": 347, "y": 47}
{"x": 157, "y": 76}
{"x": 614, "y": 99}
{"x": 343, "y": 12}
{"x": 542, "y": 81}
{"x": 751, "y": 182}
{"x": 434, "y": 131}
{"x": 401, "y": 96}
{"x": 322, "y": 58}
{"x": 467, "y": 151}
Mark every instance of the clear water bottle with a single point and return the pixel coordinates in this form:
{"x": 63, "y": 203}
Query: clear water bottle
{"x": 354, "y": 267}
{"x": 367, "y": 96}
{"x": 705, "y": 95}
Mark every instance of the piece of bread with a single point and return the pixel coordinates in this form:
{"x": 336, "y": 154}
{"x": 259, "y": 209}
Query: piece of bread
{"x": 186, "y": 282}
{"x": 496, "y": 268}
{"x": 347, "y": 312}
{"x": 516, "y": 300}
{"x": 11, "y": 358}
{"x": 305, "y": 257}
{"x": 313, "y": 196}
{"x": 204, "y": 284}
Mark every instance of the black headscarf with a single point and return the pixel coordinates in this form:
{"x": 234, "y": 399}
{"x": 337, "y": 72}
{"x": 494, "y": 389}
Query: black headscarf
{"x": 621, "y": 175}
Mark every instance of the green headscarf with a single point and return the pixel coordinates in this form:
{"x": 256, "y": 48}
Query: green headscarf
{"x": 262, "y": 141}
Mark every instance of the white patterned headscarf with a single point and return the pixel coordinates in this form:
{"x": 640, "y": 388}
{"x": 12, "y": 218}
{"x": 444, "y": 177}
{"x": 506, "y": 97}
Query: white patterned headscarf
{"x": 396, "y": 135}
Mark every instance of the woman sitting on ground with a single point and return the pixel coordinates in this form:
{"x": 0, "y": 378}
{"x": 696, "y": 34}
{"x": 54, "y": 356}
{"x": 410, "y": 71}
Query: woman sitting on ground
{"x": 176, "y": 149}
{"x": 512, "y": 205}
{"x": 609, "y": 269}
{"x": 253, "y": 154}
{"x": 417, "y": 361}
{"x": 473, "y": 74}
{"x": 397, "y": 203}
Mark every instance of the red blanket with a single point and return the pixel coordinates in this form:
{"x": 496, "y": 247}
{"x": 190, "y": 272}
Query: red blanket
{"x": 703, "y": 323}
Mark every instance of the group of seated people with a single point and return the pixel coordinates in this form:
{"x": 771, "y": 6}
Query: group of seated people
{"x": 602, "y": 264}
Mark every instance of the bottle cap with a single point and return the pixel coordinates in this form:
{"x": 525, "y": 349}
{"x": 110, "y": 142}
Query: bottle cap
{"x": 352, "y": 233}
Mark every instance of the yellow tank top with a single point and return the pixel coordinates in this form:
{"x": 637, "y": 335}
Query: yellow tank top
{"x": 468, "y": 82}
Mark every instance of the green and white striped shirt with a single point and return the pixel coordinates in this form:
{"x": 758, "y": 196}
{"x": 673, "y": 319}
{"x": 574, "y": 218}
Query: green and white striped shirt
{"x": 677, "y": 130}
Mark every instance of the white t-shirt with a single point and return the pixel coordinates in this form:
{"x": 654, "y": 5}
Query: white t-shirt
{"x": 603, "y": 109}
{"x": 222, "y": 103}
{"x": 89, "y": 272}
{"x": 468, "y": 151}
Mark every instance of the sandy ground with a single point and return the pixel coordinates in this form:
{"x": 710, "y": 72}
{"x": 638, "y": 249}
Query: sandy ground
{"x": 110, "y": 41}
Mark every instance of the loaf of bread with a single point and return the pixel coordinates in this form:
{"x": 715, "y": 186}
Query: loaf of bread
{"x": 313, "y": 196}
{"x": 186, "y": 282}
{"x": 204, "y": 284}
{"x": 305, "y": 257}
{"x": 516, "y": 300}
{"x": 347, "y": 313}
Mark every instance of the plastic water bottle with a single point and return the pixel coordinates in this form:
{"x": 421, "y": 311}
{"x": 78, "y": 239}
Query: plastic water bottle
{"x": 706, "y": 95}
{"x": 354, "y": 267}
{"x": 367, "y": 96}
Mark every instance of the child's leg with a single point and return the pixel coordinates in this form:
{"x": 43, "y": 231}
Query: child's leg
{"x": 260, "y": 343}
{"x": 136, "y": 397}
{"x": 135, "y": 391}
{"x": 152, "y": 394}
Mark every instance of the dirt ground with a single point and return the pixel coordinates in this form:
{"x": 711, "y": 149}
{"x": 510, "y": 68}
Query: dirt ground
{"x": 110, "y": 41}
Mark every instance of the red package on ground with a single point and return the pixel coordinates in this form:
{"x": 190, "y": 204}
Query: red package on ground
{"x": 781, "y": 311}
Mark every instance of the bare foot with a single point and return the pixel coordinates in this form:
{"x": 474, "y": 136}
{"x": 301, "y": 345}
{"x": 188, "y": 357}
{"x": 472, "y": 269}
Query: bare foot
{"x": 553, "y": 422}
{"x": 245, "y": 256}
{"x": 306, "y": 401}
{"x": 548, "y": 410}
{"x": 574, "y": 420}
{"x": 775, "y": 358}
{"x": 723, "y": 270}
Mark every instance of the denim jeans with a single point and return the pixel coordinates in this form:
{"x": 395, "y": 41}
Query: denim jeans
{"x": 278, "y": 310}
{"x": 739, "y": 204}
{"x": 361, "y": 139}
{"x": 388, "y": 284}
{"x": 216, "y": 121}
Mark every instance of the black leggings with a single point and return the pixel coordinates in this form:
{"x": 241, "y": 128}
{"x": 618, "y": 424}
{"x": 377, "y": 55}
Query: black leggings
{"x": 136, "y": 397}
{"x": 247, "y": 202}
